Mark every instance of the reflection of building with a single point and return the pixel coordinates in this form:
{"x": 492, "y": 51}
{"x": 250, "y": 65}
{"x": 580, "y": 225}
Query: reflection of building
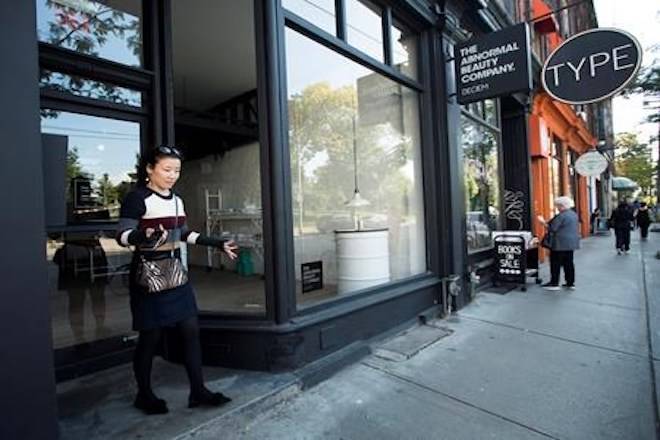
{"x": 211, "y": 78}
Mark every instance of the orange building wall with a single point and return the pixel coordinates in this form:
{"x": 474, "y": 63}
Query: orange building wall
{"x": 550, "y": 119}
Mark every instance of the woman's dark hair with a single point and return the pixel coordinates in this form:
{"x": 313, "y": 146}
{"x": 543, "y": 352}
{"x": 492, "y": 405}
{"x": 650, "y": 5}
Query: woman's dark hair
{"x": 152, "y": 157}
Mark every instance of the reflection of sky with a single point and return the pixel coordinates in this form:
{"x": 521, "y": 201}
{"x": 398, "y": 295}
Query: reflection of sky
{"x": 309, "y": 62}
{"x": 365, "y": 29}
{"x": 104, "y": 145}
{"x": 114, "y": 48}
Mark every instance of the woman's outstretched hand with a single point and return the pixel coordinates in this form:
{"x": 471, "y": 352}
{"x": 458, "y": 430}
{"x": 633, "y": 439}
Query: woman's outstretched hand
{"x": 230, "y": 247}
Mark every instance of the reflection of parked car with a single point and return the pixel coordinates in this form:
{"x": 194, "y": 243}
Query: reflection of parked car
{"x": 344, "y": 220}
{"x": 478, "y": 231}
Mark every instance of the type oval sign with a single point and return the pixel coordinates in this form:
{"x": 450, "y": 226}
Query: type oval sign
{"x": 592, "y": 66}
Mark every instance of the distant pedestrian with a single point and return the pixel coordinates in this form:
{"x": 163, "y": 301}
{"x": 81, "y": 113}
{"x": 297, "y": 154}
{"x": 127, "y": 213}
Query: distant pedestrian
{"x": 643, "y": 220}
{"x": 564, "y": 239}
{"x": 621, "y": 221}
{"x": 593, "y": 220}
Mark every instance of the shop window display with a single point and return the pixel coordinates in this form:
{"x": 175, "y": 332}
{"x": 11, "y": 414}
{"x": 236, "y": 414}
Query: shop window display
{"x": 354, "y": 139}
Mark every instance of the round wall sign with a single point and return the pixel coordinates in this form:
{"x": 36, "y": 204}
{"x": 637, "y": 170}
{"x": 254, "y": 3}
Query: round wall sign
{"x": 591, "y": 164}
{"x": 591, "y": 66}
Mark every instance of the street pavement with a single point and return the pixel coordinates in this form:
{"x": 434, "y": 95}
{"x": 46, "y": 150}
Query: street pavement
{"x": 524, "y": 365}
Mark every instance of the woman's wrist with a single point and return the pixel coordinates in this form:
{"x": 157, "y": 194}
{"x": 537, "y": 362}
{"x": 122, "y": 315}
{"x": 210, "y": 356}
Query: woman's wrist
{"x": 211, "y": 241}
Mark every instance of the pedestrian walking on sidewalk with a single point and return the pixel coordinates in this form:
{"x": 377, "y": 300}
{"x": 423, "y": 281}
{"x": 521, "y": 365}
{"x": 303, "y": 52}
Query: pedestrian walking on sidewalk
{"x": 643, "y": 220}
{"x": 622, "y": 221}
{"x": 564, "y": 239}
{"x": 153, "y": 220}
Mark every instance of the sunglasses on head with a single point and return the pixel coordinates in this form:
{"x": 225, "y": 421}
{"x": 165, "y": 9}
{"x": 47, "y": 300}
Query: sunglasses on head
{"x": 169, "y": 151}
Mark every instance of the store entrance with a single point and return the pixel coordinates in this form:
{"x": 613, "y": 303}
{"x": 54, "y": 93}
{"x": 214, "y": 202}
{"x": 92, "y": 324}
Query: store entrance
{"x": 216, "y": 127}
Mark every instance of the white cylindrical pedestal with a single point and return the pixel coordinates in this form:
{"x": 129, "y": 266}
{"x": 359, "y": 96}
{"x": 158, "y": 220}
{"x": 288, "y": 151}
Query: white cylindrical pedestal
{"x": 363, "y": 259}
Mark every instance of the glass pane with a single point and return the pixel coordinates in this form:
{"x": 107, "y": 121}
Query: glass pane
{"x": 89, "y": 165}
{"x": 318, "y": 12}
{"x": 221, "y": 181}
{"x": 88, "y": 88}
{"x": 482, "y": 187}
{"x": 404, "y": 50}
{"x": 110, "y": 29}
{"x": 364, "y": 27}
{"x": 88, "y": 285}
{"x": 490, "y": 109}
{"x": 355, "y": 147}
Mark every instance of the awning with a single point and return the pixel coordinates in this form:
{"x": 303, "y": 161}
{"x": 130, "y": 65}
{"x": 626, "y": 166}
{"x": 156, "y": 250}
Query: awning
{"x": 621, "y": 183}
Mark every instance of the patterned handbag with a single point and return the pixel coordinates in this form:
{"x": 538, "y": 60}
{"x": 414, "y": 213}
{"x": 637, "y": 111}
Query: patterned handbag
{"x": 159, "y": 275}
{"x": 164, "y": 273}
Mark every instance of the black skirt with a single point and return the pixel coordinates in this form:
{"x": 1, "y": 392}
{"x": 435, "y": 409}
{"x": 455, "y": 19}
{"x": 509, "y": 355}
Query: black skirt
{"x": 162, "y": 309}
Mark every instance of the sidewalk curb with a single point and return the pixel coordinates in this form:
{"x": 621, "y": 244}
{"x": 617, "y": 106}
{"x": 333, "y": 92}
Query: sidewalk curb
{"x": 305, "y": 378}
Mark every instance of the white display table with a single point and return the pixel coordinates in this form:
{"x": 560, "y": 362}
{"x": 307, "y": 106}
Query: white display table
{"x": 363, "y": 258}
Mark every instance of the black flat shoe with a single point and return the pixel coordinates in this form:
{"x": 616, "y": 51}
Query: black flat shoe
{"x": 207, "y": 399}
{"x": 150, "y": 405}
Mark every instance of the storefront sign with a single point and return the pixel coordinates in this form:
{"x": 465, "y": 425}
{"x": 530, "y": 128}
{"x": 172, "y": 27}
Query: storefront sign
{"x": 83, "y": 194}
{"x": 493, "y": 65}
{"x": 591, "y": 164}
{"x": 312, "y": 276}
{"x": 592, "y": 66}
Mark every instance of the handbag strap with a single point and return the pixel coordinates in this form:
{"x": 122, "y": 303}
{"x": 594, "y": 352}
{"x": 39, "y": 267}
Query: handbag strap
{"x": 176, "y": 218}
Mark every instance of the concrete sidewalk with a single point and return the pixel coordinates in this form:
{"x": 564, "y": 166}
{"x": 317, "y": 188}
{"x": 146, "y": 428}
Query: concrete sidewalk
{"x": 526, "y": 365}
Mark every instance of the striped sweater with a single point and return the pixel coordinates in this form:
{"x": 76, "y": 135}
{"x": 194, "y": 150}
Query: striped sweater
{"x": 144, "y": 208}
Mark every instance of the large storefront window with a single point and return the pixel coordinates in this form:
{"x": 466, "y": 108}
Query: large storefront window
{"x": 354, "y": 140}
{"x": 89, "y": 165}
{"x": 216, "y": 126}
{"x": 109, "y": 29}
{"x": 481, "y": 172}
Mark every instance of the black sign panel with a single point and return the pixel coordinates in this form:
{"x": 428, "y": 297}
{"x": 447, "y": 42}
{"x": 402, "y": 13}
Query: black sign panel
{"x": 493, "y": 65}
{"x": 592, "y": 66}
{"x": 511, "y": 258}
{"x": 83, "y": 194}
{"x": 312, "y": 276}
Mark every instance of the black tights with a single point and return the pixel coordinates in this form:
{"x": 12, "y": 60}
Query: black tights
{"x": 146, "y": 349}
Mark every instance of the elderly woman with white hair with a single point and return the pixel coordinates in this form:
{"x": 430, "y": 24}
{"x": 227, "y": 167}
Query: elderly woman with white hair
{"x": 563, "y": 239}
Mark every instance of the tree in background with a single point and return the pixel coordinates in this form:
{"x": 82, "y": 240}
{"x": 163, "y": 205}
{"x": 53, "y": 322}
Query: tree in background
{"x": 324, "y": 124}
{"x": 633, "y": 160}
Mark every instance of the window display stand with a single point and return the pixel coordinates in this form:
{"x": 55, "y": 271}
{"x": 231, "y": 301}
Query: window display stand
{"x": 218, "y": 219}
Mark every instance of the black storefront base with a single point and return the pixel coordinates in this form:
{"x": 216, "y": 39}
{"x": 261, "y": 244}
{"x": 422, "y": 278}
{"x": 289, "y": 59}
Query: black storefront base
{"x": 307, "y": 338}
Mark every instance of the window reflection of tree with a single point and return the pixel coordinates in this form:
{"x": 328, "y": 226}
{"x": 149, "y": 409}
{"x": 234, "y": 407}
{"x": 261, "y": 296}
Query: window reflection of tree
{"x": 322, "y": 155}
{"x": 88, "y": 88}
{"x": 87, "y": 29}
{"x": 481, "y": 181}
